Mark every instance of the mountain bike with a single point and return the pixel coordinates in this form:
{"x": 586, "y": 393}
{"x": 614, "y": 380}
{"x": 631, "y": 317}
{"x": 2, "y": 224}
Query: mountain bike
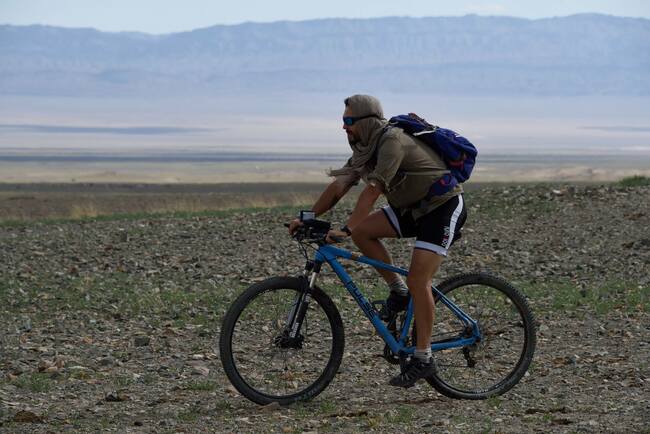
{"x": 282, "y": 339}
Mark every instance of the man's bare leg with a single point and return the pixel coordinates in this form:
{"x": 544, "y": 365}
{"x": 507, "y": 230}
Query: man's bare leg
{"x": 424, "y": 265}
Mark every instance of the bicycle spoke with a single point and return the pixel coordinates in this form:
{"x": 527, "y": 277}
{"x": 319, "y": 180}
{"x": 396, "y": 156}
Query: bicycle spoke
{"x": 271, "y": 369}
{"x": 477, "y": 369}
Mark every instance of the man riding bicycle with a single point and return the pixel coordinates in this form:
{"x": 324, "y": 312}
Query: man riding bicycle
{"x": 404, "y": 169}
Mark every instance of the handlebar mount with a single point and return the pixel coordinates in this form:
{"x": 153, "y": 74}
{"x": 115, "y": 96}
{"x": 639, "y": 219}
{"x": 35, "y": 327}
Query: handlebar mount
{"x": 313, "y": 230}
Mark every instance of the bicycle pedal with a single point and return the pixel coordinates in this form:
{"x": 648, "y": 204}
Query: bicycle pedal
{"x": 390, "y": 356}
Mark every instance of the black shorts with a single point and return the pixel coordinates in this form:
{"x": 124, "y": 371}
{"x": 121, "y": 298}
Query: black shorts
{"x": 435, "y": 231}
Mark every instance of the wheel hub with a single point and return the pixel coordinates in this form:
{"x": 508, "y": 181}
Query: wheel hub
{"x": 285, "y": 341}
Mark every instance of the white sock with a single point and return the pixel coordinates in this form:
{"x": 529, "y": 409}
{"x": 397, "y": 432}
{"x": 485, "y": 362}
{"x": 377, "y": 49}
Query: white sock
{"x": 398, "y": 286}
{"x": 424, "y": 355}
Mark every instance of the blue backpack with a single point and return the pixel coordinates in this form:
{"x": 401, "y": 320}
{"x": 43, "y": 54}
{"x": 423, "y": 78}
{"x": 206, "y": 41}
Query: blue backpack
{"x": 456, "y": 151}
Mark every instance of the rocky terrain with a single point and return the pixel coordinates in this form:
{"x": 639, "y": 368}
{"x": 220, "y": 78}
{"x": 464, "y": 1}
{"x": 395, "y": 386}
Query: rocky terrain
{"x": 111, "y": 325}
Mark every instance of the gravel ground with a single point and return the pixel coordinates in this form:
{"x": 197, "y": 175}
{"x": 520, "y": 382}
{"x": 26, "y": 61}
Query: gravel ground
{"x": 112, "y": 325}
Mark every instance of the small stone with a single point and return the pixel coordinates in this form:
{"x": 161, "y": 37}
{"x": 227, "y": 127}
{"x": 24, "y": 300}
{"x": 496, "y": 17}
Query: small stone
{"x": 24, "y": 416}
{"x": 77, "y": 368}
{"x": 44, "y": 365}
{"x": 200, "y": 370}
{"x": 116, "y": 397}
{"x": 562, "y": 421}
{"x": 105, "y": 361}
{"x": 27, "y": 325}
{"x": 270, "y": 407}
{"x": 142, "y": 341}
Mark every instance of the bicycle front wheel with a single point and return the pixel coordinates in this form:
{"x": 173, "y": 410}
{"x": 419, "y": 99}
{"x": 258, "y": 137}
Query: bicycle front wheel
{"x": 260, "y": 360}
{"x": 496, "y": 363}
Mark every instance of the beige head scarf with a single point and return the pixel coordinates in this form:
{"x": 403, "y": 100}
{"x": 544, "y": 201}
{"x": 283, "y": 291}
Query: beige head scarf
{"x": 370, "y": 130}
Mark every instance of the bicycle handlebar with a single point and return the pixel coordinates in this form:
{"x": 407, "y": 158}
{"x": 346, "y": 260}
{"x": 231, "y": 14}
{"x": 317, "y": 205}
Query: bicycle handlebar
{"x": 314, "y": 230}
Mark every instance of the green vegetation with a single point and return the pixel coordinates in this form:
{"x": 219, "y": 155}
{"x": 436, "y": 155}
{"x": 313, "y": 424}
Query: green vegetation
{"x": 206, "y": 386}
{"x": 488, "y": 425}
{"x": 558, "y": 296}
{"x": 494, "y": 401}
{"x": 635, "y": 181}
{"x": 190, "y": 415}
{"x": 327, "y": 406}
{"x": 120, "y": 294}
{"x": 35, "y": 382}
{"x": 149, "y": 378}
{"x": 223, "y": 405}
{"x": 402, "y": 415}
{"x": 119, "y": 207}
{"x": 122, "y": 381}
{"x": 140, "y": 215}
{"x": 602, "y": 299}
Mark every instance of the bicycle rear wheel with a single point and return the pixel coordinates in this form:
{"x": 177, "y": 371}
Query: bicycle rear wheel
{"x": 258, "y": 359}
{"x": 496, "y": 363}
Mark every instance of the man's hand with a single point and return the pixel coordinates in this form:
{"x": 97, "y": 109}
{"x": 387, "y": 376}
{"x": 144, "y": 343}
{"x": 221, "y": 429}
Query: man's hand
{"x": 339, "y": 235}
{"x": 294, "y": 225}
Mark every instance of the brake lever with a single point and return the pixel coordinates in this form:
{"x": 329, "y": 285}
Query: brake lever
{"x": 297, "y": 233}
{"x": 301, "y": 235}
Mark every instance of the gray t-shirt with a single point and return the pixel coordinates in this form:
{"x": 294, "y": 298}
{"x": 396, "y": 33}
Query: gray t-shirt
{"x": 404, "y": 169}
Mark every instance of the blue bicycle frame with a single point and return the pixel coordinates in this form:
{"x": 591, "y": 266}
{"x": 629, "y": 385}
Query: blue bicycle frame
{"x": 328, "y": 253}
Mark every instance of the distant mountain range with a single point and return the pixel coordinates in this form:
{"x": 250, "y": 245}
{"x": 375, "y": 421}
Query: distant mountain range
{"x": 576, "y": 55}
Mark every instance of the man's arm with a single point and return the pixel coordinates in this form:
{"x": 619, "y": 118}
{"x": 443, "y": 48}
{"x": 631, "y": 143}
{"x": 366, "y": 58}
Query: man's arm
{"x": 326, "y": 201}
{"x": 364, "y": 205}
{"x": 330, "y": 197}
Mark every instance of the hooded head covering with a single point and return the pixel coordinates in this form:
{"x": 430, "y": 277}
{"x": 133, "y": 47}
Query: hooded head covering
{"x": 369, "y": 132}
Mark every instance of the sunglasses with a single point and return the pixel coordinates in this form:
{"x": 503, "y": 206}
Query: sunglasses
{"x": 349, "y": 120}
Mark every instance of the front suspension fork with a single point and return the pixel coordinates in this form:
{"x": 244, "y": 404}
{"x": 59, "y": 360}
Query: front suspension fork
{"x": 299, "y": 309}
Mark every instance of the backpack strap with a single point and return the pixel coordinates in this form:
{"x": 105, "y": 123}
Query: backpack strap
{"x": 384, "y": 130}
{"x": 442, "y": 186}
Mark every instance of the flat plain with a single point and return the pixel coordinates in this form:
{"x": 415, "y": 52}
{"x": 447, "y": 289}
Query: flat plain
{"x": 110, "y": 320}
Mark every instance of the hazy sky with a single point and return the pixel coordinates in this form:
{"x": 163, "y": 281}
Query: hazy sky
{"x": 164, "y": 16}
